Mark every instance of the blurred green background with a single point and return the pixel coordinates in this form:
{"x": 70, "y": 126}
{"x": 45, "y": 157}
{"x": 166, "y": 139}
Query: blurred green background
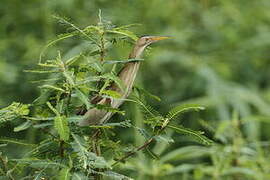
{"x": 218, "y": 57}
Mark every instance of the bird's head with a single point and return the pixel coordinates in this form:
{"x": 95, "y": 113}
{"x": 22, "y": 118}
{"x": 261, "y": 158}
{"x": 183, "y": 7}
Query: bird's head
{"x": 142, "y": 43}
{"x": 147, "y": 40}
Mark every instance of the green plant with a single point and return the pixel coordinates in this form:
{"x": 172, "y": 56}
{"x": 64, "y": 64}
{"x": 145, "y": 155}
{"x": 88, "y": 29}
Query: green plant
{"x": 64, "y": 150}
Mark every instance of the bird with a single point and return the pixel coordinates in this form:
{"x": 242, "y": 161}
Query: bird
{"x": 127, "y": 75}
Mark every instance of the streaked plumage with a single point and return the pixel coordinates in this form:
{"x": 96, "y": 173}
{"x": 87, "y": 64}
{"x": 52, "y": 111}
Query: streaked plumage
{"x": 127, "y": 75}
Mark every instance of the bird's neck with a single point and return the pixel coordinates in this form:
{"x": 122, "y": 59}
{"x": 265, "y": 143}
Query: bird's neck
{"x": 136, "y": 52}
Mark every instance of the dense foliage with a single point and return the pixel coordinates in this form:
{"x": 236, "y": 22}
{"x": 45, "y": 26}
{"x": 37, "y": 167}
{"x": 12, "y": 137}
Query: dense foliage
{"x": 218, "y": 59}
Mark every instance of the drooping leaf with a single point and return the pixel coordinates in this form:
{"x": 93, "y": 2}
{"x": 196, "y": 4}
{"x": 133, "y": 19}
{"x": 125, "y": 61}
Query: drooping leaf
{"x": 182, "y": 109}
{"x": 196, "y": 135}
{"x": 54, "y": 41}
{"x": 23, "y": 126}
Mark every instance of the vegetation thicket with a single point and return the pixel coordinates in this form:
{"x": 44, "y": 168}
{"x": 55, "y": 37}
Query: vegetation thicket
{"x": 199, "y": 108}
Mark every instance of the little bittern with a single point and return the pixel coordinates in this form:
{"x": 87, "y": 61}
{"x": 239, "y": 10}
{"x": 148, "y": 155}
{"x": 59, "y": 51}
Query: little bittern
{"x": 127, "y": 75}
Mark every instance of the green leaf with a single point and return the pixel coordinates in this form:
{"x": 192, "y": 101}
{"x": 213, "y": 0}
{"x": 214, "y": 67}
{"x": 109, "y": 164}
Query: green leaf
{"x": 96, "y": 66}
{"x": 183, "y": 109}
{"x": 124, "y": 32}
{"x": 44, "y": 146}
{"x": 164, "y": 139}
{"x": 186, "y": 153}
{"x": 83, "y": 98}
{"x": 127, "y": 26}
{"x": 40, "y": 118}
{"x": 66, "y": 21}
{"x": 14, "y": 111}
{"x": 47, "y": 86}
{"x": 109, "y": 109}
{"x": 69, "y": 78}
{"x": 88, "y": 158}
{"x": 152, "y": 154}
{"x": 42, "y": 71}
{"x": 38, "y": 163}
{"x": 125, "y": 124}
{"x": 111, "y": 93}
{"x": 79, "y": 146}
{"x": 53, "y": 109}
{"x": 151, "y": 116}
{"x": 197, "y": 135}
{"x": 23, "y": 126}
{"x": 3, "y": 145}
{"x": 15, "y": 141}
{"x": 115, "y": 79}
{"x": 64, "y": 174}
{"x": 73, "y": 60}
{"x": 54, "y": 41}
{"x": 183, "y": 168}
{"x": 147, "y": 94}
{"x": 61, "y": 125}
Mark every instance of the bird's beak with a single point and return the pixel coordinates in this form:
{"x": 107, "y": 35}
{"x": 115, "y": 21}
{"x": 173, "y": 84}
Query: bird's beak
{"x": 158, "y": 38}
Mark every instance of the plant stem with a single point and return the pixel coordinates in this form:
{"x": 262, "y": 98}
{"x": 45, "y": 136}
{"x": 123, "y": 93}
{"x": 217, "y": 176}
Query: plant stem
{"x": 102, "y": 47}
{"x": 146, "y": 143}
{"x": 61, "y": 150}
